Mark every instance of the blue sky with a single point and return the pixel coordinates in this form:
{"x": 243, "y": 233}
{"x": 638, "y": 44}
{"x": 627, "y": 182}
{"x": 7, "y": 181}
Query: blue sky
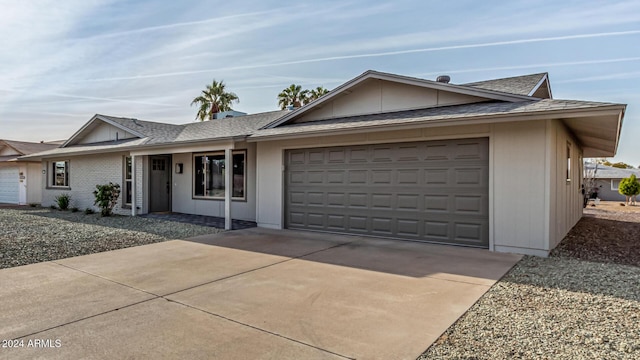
{"x": 63, "y": 61}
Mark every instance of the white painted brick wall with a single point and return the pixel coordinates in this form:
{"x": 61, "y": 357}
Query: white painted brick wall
{"x": 85, "y": 173}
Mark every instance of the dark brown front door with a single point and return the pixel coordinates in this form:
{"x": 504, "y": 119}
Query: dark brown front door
{"x": 160, "y": 183}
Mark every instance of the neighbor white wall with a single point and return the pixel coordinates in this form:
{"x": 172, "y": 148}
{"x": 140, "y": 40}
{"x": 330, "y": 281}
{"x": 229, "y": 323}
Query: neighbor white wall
{"x": 85, "y": 173}
{"x": 33, "y": 183}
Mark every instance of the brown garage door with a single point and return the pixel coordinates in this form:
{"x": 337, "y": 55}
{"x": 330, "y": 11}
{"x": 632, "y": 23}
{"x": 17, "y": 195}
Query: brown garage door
{"x": 433, "y": 191}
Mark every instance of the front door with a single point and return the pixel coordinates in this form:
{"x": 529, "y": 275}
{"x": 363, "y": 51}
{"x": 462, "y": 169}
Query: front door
{"x": 160, "y": 183}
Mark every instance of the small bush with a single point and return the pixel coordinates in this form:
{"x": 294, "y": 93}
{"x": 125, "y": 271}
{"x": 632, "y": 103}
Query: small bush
{"x": 63, "y": 201}
{"x": 107, "y": 197}
{"x": 74, "y": 209}
{"x": 33, "y": 204}
{"x": 53, "y": 207}
{"x": 89, "y": 211}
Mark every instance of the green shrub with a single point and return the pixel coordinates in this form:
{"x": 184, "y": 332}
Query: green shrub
{"x": 629, "y": 187}
{"x": 33, "y": 204}
{"x": 74, "y": 209}
{"x": 89, "y": 211}
{"x": 63, "y": 201}
{"x": 107, "y": 197}
{"x": 53, "y": 207}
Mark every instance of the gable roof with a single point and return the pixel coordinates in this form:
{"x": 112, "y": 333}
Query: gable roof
{"x": 521, "y": 85}
{"x": 139, "y": 128}
{"x": 24, "y": 148}
{"x": 345, "y": 88}
{"x": 156, "y": 134}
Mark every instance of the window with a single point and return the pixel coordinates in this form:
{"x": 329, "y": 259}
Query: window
{"x": 209, "y": 175}
{"x": 60, "y": 174}
{"x": 615, "y": 183}
{"x": 568, "y": 161}
{"x": 127, "y": 174}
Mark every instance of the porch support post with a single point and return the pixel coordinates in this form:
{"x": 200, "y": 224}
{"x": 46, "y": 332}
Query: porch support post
{"x": 133, "y": 186}
{"x": 228, "y": 188}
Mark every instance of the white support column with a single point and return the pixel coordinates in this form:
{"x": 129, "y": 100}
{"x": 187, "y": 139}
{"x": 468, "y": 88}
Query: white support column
{"x": 228, "y": 188}
{"x": 133, "y": 186}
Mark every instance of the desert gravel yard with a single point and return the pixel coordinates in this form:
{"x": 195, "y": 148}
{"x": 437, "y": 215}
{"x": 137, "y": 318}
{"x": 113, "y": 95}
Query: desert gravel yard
{"x": 31, "y": 235}
{"x": 583, "y": 302}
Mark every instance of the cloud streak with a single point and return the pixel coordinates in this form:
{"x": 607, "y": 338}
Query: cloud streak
{"x": 376, "y": 54}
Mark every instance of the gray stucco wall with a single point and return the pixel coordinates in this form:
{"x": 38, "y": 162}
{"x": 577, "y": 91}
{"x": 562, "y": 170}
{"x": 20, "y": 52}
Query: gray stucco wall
{"x": 605, "y": 192}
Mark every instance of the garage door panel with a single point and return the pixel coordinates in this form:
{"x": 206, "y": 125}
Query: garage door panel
{"x": 430, "y": 191}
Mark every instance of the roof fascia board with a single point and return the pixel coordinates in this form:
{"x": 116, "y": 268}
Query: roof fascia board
{"x": 142, "y": 147}
{"x": 497, "y": 118}
{"x": 465, "y": 90}
{"x": 94, "y": 119}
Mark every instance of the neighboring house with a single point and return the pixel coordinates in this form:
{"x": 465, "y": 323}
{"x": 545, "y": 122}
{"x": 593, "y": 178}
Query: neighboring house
{"x": 20, "y": 181}
{"x": 607, "y": 179}
{"x": 494, "y": 164}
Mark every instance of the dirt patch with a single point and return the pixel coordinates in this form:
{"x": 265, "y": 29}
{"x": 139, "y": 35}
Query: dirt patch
{"x": 608, "y": 232}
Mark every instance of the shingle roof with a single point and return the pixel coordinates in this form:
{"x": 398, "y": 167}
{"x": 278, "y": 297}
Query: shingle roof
{"x": 229, "y": 127}
{"x": 27, "y": 148}
{"x": 432, "y": 114}
{"x": 155, "y": 132}
{"x": 160, "y": 133}
{"x": 520, "y": 85}
{"x": 610, "y": 172}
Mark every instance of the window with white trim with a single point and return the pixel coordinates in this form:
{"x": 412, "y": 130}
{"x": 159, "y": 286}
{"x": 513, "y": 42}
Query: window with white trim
{"x": 59, "y": 174}
{"x": 615, "y": 183}
{"x": 209, "y": 175}
{"x": 127, "y": 180}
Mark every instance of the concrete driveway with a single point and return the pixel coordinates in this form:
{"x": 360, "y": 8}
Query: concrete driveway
{"x": 257, "y": 293}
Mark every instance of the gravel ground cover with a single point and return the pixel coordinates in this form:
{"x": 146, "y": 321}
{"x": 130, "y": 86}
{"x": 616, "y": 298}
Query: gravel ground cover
{"x": 583, "y": 302}
{"x": 31, "y": 235}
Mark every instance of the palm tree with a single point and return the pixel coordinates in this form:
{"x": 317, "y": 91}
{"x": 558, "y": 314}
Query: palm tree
{"x": 316, "y": 93}
{"x": 293, "y": 95}
{"x": 214, "y": 99}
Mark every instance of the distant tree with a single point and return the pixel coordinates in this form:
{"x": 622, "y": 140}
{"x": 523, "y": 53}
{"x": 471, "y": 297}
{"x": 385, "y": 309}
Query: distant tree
{"x": 621, "y": 165}
{"x": 292, "y": 96}
{"x": 630, "y": 188}
{"x": 214, "y": 99}
{"x": 316, "y": 93}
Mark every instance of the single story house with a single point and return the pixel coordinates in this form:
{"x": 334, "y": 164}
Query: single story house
{"x": 607, "y": 180}
{"x": 20, "y": 179}
{"x": 495, "y": 164}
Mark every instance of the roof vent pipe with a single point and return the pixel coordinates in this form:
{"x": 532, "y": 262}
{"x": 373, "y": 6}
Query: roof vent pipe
{"x": 443, "y": 79}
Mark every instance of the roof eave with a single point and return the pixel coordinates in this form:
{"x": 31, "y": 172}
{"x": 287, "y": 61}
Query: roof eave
{"x": 481, "y": 119}
{"x": 135, "y": 147}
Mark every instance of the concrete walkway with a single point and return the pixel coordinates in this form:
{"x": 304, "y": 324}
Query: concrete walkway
{"x": 255, "y": 293}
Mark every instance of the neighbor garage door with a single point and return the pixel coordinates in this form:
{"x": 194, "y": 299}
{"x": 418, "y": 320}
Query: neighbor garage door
{"x": 429, "y": 191}
{"x": 9, "y": 182}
